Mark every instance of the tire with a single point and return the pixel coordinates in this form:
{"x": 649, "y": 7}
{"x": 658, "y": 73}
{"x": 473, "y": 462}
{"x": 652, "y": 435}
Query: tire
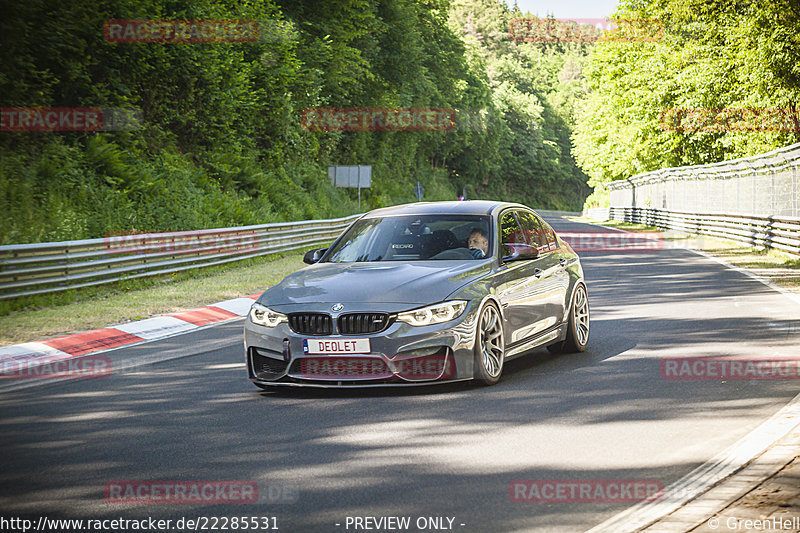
{"x": 489, "y": 346}
{"x": 578, "y": 325}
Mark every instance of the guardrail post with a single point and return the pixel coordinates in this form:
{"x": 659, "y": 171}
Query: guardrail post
{"x": 66, "y": 267}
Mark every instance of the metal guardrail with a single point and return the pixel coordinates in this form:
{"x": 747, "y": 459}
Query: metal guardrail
{"x": 30, "y": 269}
{"x": 781, "y": 233}
{"x": 41, "y": 268}
{"x": 597, "y": 213}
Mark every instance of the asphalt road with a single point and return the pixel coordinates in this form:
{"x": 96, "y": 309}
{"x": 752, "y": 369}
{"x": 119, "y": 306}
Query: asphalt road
{"x": 425, "y": 452}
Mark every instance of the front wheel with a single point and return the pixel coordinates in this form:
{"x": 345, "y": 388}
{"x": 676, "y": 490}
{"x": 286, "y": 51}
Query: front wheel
{"x": 489, "y": 346}
{"x": 578, "y": 326}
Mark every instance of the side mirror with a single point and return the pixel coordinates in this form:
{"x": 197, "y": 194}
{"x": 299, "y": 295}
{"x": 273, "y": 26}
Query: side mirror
{"x": 532, "y": 253}
{"x": 313, "y": 256}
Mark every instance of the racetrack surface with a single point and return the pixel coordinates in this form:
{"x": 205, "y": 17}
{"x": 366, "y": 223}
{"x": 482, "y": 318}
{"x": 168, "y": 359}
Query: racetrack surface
{"x": 435, "y": 451}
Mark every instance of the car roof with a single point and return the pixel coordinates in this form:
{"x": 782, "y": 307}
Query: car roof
{"x": 468, "y": 207}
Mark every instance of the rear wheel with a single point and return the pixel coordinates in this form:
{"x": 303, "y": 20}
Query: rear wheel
{"x": 489, "y": 346}
{"x": 578, "y": 325}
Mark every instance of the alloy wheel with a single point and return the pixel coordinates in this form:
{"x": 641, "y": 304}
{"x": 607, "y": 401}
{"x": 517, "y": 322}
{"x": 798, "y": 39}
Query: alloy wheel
{"x": 491, "y": 341}
{"x": 580, "y": 316}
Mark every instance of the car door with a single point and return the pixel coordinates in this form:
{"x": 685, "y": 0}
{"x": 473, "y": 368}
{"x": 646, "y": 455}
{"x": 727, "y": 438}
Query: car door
{"x": 519, "y": 283}
{"x": 554, "y": 279}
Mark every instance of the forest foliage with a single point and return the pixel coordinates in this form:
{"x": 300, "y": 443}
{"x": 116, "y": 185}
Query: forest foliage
{"x": 221, "y": 142}
{"x": 731, "y": 66}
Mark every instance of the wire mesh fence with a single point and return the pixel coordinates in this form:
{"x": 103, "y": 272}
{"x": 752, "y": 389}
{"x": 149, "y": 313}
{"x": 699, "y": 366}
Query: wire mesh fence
{"x": 754, "y": 200}
{"x": 765, "y": 184}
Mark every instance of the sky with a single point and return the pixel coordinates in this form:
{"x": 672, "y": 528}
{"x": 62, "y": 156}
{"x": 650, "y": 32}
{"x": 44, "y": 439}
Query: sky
{"x": 567, "y": 8}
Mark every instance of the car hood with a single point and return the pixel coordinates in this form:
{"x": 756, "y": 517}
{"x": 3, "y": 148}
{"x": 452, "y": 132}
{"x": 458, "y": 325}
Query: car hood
{"x": 416, "y": 282}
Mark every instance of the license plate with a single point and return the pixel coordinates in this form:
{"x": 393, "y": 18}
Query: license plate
{"x": 335, "y": 346}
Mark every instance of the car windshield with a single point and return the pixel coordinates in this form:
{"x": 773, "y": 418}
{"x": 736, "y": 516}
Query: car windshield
{"x": 414, "y": 238}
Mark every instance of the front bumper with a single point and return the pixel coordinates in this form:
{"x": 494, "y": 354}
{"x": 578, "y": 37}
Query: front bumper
{"x": 400, "y": 355}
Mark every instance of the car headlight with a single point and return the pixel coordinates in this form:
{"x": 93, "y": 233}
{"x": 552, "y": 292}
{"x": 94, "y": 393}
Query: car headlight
{"x": 433, "y": 314}
{"x": 264, "y": 316}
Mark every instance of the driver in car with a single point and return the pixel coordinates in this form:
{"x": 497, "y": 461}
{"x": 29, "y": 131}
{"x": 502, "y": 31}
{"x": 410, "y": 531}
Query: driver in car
{"x": 478, "y": 243}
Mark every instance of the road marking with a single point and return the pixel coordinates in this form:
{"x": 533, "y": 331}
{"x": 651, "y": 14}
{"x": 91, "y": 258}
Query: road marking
{"x": 721, "y": 466}
{"x": 704, "y": 477}
{"x": 31, "y": 350}
{"x": 205, "y": 315}
{"x": 112, "y": 338}
{"x": 792, "y": 296}
{"x": 237, "y": 306}
{"x": 157, "y": 328}
{"x": 92, "y": 341}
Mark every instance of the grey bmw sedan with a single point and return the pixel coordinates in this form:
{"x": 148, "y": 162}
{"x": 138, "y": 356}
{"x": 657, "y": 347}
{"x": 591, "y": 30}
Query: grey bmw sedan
{"x": 418, "y": 294}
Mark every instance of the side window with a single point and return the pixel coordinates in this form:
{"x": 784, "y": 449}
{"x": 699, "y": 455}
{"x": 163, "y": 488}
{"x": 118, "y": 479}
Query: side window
{"x": 551, "y": 237}
{"x": 511, "y": 237}
{"x": 533, "y": 230}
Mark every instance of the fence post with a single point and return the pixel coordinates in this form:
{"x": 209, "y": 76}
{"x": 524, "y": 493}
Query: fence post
{"x": 772, "y": 192}
{"x": 794, "y": 191}
{"x": 696, "y": 192}
{"x": 738, "y": 186}
{"x": 671, "y": 201}
{"x": 686, "y": 188}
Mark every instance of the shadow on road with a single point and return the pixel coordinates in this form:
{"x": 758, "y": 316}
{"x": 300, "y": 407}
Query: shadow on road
{"x": 450, "y": 450}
